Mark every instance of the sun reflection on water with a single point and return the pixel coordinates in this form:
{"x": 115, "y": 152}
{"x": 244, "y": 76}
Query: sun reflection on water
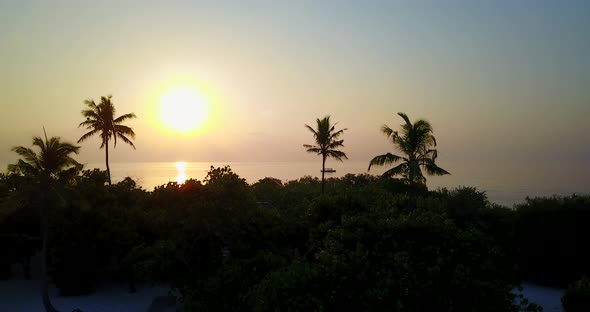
{"x": 181, "y": 177}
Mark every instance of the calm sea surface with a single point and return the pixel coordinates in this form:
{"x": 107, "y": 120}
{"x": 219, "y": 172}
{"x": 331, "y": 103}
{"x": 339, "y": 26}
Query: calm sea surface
{"x": 503, "y": 185}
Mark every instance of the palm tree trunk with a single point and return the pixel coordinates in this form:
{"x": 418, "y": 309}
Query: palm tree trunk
{"x": 323, "y": 171}
{"x": 107, "y": 160}
{"x": 46, "y": 301}
{"x": 411, "y": 196}
{"x": 44, "y": 253}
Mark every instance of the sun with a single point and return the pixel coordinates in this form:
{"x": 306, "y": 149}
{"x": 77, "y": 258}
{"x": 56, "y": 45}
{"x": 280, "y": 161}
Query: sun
{"x": 183, "y": 109}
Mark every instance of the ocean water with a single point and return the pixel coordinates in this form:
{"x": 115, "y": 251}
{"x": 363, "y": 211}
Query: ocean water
{"x": 503, "y": 184}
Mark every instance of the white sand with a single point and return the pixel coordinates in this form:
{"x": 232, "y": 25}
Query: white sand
{"x": 25, "y": 296}
{"x": 546, "y": 297}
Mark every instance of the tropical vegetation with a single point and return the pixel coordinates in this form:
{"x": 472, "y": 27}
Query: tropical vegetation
{"x": 326, "y": 142}
{"x": 417, "y": 143}
{"x": 52, "y": 164}
{"x": 225, "y": 245}
{"x": 100, "y": 120}
{"x": 577, "y": 296}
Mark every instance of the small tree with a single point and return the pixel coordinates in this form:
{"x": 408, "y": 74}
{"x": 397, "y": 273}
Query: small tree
{"x": 326, "y": 142}
{"x": 53, "y": 163}
{"x": 577, "y": 296}
{"x": 100, "y": 119}
{"x": 417, "y": 143}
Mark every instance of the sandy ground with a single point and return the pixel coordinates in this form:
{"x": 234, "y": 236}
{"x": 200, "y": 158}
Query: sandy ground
{"x": 25, "y": 296}
{"x": 548, "y": 298}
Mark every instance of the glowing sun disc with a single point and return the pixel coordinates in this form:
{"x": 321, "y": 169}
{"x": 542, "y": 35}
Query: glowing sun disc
{"x": 183, "y": 109}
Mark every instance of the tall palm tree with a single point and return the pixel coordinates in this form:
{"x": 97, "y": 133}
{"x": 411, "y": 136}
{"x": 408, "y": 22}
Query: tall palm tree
{"x": 326, "y": 142}
{"x": 100, "y": 120}
{"x": 51, "y": 164}
{"x": 417, "y": 143}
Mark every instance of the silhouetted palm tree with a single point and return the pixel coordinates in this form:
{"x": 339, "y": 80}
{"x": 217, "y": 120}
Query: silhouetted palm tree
{"x": 326, "y": 142}
{"x": 100, "y": 120}
{"x": 417, "y": 144}
{"x": 51, "y": 164}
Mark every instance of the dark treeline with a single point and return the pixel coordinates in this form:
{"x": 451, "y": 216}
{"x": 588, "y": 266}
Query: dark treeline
{"x": 229, "y": 246}
{"x": 357, "y": 243}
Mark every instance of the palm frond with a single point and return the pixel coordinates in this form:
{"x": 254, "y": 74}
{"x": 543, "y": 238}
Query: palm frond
{"x": 28, "y": 154}
{"x": 334, "y": 144}
{"x": 336, "y": 134}
{"x": 91, "y": 113}
{"x": 23, "y": 167}
{"x": 124, "y": 117}
{"x": 384, "y": 159}
{"x": 414, "y": 173}
{"x": 432, "y": 168}
{"x": 405, "y": 118}
{"x": 400, "y": 169}
{"x": 387, "y": 130}
{"x": 430, "y": 153}
{"x": 416, "y": 141}
{"x": 90, "y": 124}
{"x": 338, "y": 155}
{"x": 105, "y": 136}
{"x": 313, "y": 149}
{"x": 91, "y": 105}
{"x": 124, "y": 138}
{"x": 326, "y": 139}
{"x": 87, "y": 135}
{"x": 53, "y": 158}
{"x": 423, "y": 124}
{"x": 436, "y": 170}
{"x": 124, "y": 130}
{"x": 312, "y": 130}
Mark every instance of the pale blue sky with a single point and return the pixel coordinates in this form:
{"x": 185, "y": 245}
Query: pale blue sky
{"x": 502, "y": 82}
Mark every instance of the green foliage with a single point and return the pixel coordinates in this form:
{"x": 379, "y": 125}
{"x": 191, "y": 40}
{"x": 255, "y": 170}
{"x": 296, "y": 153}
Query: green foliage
{"x": 413, "y": 263}
{"x": 327, "y": 141}
{"x": 267, "y": 191}
{"x": 417, "y": 144}
{"x": 228, "y": 288}
{"x": 76, "y": 258}
{"x": 295, "y": 287}
{"x": 577, "y": 296}
{"x": 100, "y": 120}
{"x": 553, "y": 227}
{"x": 360, "y": 253}
{"x": 52, "y": 163}
{"x": 102, "y": 231}
{"x": 228, "y": 246}
{"x": 208, "y": 225}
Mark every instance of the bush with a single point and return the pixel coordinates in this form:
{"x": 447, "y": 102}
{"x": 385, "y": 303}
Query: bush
{"x": 75, "y": 258}
{"x": 100, "y": 232}
{"x": 553, "y": 227}
{"x": 577, "y": 296}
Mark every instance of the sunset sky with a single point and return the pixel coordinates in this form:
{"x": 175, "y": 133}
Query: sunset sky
{"x": 503, "y": 82}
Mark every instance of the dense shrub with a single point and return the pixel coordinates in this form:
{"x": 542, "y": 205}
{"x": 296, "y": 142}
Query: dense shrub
{"x": 548, "y": 235}
{"x": 577, "y": 296}
{"x": 362, "y": 253}
{"x": 229, "y": 246}
{"x": 76, "y": 257}
{"x": 267, "y": 191}
{"x": 99, "y": 232}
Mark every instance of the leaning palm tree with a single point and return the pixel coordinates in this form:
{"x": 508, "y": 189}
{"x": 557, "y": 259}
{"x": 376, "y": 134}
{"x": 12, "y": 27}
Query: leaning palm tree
{"x": 51, "y": 164}
{"x": 326, "y": 142}
{"x": 100, "y": 120}
{"x": 417, "y": 144}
